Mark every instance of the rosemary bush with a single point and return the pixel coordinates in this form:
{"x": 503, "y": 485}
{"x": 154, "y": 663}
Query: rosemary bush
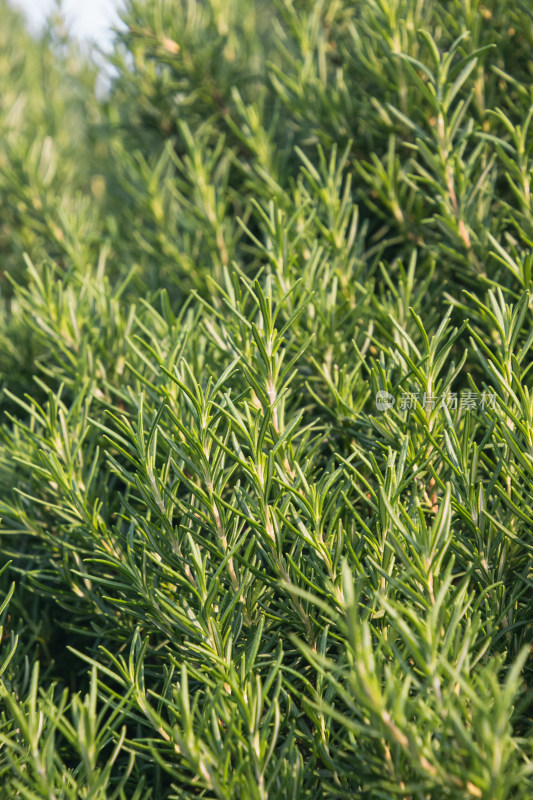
{"x": 266, "y": 447}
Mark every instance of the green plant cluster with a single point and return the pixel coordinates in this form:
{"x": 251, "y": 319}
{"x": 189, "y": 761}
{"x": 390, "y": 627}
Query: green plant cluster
{"x": 226, "y": 572}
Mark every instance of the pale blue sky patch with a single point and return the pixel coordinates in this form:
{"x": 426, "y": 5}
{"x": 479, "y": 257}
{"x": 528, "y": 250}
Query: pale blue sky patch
{"x": 89, "y": 20}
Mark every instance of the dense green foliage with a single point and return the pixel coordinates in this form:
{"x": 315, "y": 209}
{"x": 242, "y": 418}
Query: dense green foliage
{"x": 226, "y": 572}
